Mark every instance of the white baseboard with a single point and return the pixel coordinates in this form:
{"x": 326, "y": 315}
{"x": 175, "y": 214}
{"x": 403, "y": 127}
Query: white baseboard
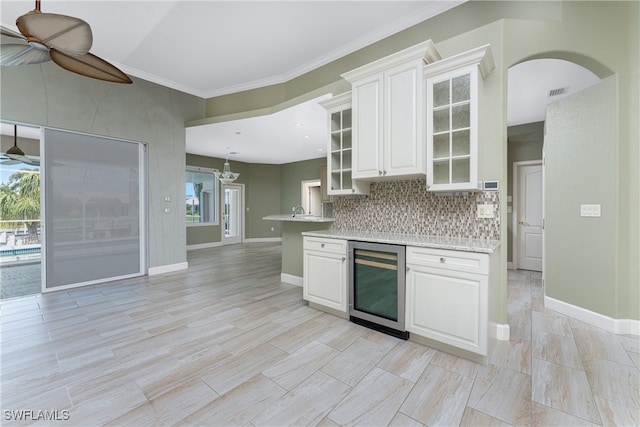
{"x": 500, "y": 331}
{"x": 616, "y": 326}
{"x": 168, "y": 268}
{"x": 263, "y": 240}
{"x": 204, "y": 245}
{"x": 291, "y": 279}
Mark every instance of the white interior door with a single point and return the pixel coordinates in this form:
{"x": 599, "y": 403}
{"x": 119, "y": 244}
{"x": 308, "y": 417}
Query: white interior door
{"x": 529, "y": 236}
{"x": 232, "y": 213}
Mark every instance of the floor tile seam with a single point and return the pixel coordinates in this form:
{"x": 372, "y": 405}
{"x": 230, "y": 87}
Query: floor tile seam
{"x": 591, "y": 394}
{"x": 4, "y": 322}
{"x": 492, "y": 415}
{"x": 473, "y": 385}
{"x": 586, "y": 358}
{"x": 587, "y": 422}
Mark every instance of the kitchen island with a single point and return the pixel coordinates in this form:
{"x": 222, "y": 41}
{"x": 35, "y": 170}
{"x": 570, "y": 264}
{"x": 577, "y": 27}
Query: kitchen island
{"x": 292, "y": 229}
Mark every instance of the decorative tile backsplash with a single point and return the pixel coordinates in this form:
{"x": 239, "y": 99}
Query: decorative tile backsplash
{"x": 407, "y": 207}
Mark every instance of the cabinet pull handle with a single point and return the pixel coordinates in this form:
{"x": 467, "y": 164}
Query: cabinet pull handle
{"x": 442, "y": 259}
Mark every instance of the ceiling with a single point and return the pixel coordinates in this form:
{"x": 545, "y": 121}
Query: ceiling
{"x": 211, "y": 48}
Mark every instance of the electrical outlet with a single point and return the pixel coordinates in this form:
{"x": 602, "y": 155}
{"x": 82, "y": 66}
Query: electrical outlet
{"x": 485, "y": 210}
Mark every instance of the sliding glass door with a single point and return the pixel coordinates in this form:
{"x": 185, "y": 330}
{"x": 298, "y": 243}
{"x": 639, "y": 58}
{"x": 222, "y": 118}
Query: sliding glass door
{"x": 94, "y": 209}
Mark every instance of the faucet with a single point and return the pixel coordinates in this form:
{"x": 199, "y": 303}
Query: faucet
{"x": 295, "y": 210}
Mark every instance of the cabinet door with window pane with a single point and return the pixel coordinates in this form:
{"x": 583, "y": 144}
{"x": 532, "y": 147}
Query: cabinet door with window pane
{"x": 452, "y": 140}
{"x": 340, "y": 148}
{"x": 452, "y": 94}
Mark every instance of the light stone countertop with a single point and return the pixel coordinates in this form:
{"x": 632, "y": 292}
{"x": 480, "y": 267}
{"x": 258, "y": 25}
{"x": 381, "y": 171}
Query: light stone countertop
{"x": 297, "y": 218}
{"x": 436, "y": 242}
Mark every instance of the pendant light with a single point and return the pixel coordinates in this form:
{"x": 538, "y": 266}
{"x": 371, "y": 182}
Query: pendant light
{"x": 226, "y": 176}
{"x": 15, "y": 150}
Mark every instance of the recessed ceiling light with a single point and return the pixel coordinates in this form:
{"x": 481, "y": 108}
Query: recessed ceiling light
{"x": 298, "y": 124}
{"x": 307, "y": 136}
{"x": 238, "y": 132}
{"x": 320, "y": 149}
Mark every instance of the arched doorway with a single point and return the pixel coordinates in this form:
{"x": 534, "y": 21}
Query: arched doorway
{"x": 532, "y": 86}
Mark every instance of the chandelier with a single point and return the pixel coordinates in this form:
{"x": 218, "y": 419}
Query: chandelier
{"x": 226, "y": 176}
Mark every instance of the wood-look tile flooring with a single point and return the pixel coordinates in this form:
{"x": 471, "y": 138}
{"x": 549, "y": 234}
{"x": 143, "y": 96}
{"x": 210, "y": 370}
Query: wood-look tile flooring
{"x": 226, "y": 343}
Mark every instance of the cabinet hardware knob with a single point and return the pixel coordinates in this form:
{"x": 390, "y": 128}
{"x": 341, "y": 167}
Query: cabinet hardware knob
{"x": 322, "y": 245}
{"x": 442, "y": 259}
{"x": 343, "y": 259}
{"x": 379, "y": 172}
{"x": 384, "y": 172}
{"x": 408, "y": 268}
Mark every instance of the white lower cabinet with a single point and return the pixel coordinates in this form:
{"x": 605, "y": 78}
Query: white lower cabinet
{"x": 325, "y": 272}
{"x": 447, "y": 297}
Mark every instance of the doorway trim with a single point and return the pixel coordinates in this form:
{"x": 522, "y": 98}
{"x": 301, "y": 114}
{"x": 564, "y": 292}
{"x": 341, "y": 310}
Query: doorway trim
{"x": 515, "y": 203}
{"x": 306, "y": 188}
{"x": 224, "y": 240}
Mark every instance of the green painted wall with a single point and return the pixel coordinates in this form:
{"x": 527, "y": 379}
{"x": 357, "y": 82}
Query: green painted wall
{"x": 47, "y": 95}
{"x": 601, "y": 36}
{"x": 524, "y": 143}
{"x": 580, "y": 140}
{"x": 291, "y": 180}
{"x": 262, "y": 198}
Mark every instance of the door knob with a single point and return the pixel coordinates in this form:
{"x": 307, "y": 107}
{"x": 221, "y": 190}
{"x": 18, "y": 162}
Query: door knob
{"x": 522, "y": 222}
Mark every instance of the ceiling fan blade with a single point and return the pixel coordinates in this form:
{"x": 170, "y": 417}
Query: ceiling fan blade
{"x": 19, "y": 158}
{"x": 64, "y": 33}
{"x": 20, "y": 54}
{"x": 89, "y": 65}
{"x": 10, "y": 33}
{"x": 10, "y": 162}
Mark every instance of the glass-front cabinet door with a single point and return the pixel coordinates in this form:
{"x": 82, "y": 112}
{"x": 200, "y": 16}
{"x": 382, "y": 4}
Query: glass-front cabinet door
{"x": 340, "y": 148}
{"x": 452, "y": 87}
{"x": 452, "y": 140}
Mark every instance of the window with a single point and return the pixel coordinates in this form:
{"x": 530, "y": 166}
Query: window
{"x": 201, "y": 196}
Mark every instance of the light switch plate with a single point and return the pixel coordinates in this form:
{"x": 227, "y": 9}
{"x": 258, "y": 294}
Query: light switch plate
{"x": 167, "y": 199}
{"x": 485, "y": 210}
{"x": 593, "y": 211}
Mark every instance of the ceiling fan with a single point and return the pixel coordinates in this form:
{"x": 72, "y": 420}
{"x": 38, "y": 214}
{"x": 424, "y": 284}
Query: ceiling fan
{"x": 15, "y": 155}
{"x": 63, "y": 39}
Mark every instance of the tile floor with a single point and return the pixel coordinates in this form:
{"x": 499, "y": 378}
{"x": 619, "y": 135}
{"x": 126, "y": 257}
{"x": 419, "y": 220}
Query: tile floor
{"x": 226, "y": 343}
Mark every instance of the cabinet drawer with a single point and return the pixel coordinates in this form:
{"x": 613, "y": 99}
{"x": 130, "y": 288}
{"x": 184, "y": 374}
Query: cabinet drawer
{"x": 336, "y": 246}
{"x": 469, "y": 262}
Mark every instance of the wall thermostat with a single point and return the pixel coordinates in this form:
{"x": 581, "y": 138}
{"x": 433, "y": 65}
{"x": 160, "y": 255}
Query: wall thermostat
{"x": 490, "y": 185}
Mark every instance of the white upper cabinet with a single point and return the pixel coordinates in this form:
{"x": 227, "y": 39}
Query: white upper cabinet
{"x": 452, "y": 96}
{"x": 388, "y": 110}
{"x": 340, "y": 148}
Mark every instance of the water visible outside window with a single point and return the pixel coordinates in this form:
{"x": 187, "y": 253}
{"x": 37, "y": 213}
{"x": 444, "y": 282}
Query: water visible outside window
{"x": 20, "y": 232}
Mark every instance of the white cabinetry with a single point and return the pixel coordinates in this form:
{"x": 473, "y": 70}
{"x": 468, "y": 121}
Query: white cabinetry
{"x": 447, "y": 297}
{"x": 452, "y": 97}
{"x": 340, "y": 148}
{"x": 388, "y": 110}
{"x": 325, "y": 272}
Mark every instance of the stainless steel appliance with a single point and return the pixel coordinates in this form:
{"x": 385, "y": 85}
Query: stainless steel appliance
{"x": 377, "y": 287}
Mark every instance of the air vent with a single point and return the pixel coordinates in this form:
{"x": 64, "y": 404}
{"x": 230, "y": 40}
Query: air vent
{"x": 557, "y": 92}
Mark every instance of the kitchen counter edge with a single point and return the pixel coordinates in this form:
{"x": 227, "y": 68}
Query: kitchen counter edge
{"x": 435, "y": 242}
{"x": 288, "y": 217}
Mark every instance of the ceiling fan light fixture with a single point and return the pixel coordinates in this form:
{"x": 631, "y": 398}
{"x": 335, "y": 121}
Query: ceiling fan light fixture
{"x": 15, "y": 150}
